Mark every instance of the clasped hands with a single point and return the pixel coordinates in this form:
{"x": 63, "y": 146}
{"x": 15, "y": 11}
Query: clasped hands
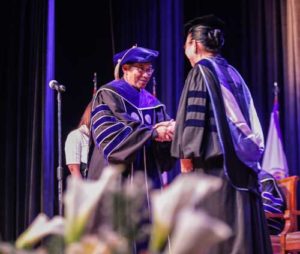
{"x": 165, "y": 130}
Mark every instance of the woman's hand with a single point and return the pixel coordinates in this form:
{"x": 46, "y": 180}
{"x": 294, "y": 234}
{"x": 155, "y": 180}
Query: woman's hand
{"x": 186, "y": 165}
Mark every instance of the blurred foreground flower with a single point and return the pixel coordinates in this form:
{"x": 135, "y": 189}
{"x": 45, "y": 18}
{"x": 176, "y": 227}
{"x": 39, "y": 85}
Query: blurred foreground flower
{"x": 195, "y": 232}
{"x": 125, "y": 211}
{"x": 7, "y": 248}
{"x": 40, "y": 228}
{"x": 87, "y": 245}
{"x": 111, "y": 243}
{"x": 81, "y": 199}
{"x": 119, "y": 216}
{"x": 187, "y": 190}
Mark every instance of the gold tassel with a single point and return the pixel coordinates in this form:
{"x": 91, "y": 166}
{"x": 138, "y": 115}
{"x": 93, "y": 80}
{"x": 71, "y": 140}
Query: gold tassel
{"x": 117, "y": 70}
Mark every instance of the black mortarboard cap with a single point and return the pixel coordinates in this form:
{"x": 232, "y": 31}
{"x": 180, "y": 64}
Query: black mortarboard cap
{"x": 208, "y": 21}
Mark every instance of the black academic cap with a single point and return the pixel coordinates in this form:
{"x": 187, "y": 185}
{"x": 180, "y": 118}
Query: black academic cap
{"x": 210, "y": 21}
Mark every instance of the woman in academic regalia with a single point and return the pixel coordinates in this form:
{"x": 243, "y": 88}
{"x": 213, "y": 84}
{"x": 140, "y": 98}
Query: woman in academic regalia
{"x": 218, "y": 132}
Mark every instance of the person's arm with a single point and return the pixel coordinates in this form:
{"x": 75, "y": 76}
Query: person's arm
{"x": 193, "y": 119}
{"x": 115, "y": 132}
{"x": 75, "y": 170}
{"x": 162, "y": 145}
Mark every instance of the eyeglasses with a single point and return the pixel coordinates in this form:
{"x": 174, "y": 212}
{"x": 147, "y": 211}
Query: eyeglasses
{"x": 141, "y": 69}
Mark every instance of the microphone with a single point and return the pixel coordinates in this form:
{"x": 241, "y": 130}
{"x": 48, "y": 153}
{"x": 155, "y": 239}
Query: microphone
{"x": 53, "y": 84}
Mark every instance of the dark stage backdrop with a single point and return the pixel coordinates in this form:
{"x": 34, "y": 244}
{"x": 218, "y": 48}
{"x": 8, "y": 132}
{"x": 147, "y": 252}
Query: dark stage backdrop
{"x": 87, "y": 36}
{"x": 27, "y": 168}
{"x": 83, "y": 47}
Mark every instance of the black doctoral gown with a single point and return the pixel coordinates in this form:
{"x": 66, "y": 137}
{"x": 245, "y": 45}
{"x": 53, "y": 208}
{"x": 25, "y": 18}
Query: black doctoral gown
{"x": 122, "y": 131}
{"x": 215, "y": 140}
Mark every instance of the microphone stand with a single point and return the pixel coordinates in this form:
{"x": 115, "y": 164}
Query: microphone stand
{"x": 59, "y": 168}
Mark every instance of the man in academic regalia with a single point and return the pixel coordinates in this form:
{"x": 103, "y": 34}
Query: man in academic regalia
{"x": 218, "y": 133}
{"x": 128, "y": 123}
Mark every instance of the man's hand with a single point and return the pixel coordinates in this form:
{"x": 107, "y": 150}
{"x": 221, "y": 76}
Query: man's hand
{"x": 165, "y": 130}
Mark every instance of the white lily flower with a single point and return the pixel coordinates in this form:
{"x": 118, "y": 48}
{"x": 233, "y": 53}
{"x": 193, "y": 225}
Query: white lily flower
{"x": 40, "y": 228}
{"x": 185, "y": 190}
{"x": 81, "y": 199}
{"x": 196, "y": 232}
{"x": 108, "y": 243}
{"x": 88, "y": 245}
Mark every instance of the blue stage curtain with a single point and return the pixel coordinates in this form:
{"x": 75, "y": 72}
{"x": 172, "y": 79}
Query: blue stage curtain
{"x": 291, "y": 87}
{"x": 26, "y": 182}
{"x": 157, "y": 25}
{"x": 262, "y": 54}
{"x": 48, "y": 165}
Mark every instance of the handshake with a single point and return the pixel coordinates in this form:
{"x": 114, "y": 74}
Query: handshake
{"x": 165, "y": 130}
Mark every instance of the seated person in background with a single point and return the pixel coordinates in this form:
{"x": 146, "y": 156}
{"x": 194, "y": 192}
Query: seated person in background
{"x": 77, "y": 145}
{"x": 273, "y": 201}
